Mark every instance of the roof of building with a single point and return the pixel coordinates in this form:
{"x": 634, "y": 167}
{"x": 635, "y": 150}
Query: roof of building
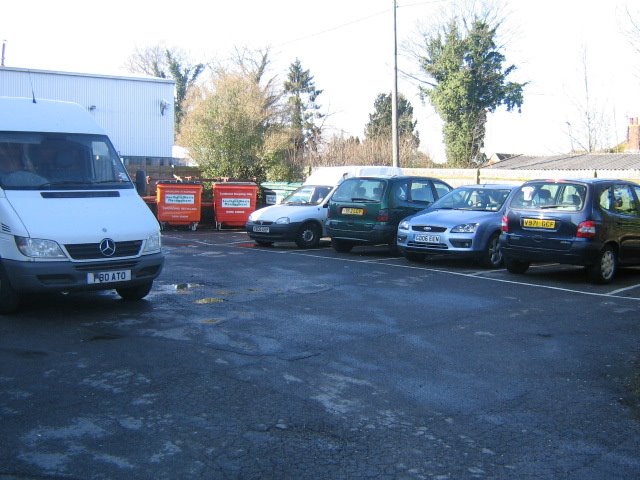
{"x": 574, "y": 161}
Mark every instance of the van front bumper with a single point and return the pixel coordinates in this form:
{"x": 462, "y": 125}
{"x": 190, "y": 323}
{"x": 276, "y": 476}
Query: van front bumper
{"x": 73, "y": 276}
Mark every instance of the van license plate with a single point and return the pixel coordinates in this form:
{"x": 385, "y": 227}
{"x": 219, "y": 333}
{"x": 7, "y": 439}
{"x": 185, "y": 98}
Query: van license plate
{"x": 260, "y": 229}
{"x": 352, "y": 211}
{"x": 428, "y": 238}
{"x": 109, "y": 277}
{"x": 538, "y": 223}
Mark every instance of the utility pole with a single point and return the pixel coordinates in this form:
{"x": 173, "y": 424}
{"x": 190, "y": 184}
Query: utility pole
{"x": 394, "y": 95}
{"x": 4, "y": 44}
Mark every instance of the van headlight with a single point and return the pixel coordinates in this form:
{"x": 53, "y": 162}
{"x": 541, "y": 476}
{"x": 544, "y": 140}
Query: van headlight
{"x": 39, "y": 248}
{"x": 404, "y": 225}
{"x": 153, "y": 244}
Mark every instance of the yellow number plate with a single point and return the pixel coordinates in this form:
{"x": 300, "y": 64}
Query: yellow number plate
{"x": 538, "y": 223}
{"x": 353, "y": 211}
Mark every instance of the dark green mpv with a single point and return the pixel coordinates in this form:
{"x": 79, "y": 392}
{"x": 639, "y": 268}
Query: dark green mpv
{"x": 367, "y": 210}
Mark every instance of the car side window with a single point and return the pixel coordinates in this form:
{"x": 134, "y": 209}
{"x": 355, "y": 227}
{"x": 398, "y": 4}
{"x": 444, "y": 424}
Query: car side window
{"x": 421, "y": 191}
{"x": 400, "y": 190}
{"x": 623, "y": 200}
{"x": 605, "y": 199}
{"x": 441, "y": 188}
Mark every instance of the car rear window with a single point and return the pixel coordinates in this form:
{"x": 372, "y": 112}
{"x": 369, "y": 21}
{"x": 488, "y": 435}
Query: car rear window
{"x": 360, "y": 190}
{"x": 551, "y": 195}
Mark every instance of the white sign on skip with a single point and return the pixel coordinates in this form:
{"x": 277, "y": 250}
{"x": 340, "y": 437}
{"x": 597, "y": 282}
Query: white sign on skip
{"x": 180, "y": 198}
{"x": 236, "y": 202}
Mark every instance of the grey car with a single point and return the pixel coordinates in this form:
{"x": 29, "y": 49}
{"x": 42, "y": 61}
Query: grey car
{"x": 465, "y": 222}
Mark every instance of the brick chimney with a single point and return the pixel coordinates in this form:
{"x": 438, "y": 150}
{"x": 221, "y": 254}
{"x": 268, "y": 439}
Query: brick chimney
{"x": 633, "y": 136}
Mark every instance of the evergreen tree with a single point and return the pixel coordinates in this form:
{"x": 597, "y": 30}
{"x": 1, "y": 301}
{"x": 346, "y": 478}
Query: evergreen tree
{"x": 467, "y": 82}
{"x": 380, "y": 121}
{"x": 303, "y": 111}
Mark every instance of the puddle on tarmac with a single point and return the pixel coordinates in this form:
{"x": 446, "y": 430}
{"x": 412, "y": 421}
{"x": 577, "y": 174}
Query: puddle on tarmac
{"x": 206, "y": 301}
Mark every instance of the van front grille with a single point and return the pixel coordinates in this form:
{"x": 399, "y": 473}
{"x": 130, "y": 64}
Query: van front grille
{"x": 91, "y": 251}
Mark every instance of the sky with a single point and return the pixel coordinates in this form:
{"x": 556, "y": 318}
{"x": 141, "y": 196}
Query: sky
{"x": 347, "y": 45}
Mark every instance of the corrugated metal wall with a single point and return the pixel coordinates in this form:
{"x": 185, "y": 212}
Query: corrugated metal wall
{"x": 129, "y": 109}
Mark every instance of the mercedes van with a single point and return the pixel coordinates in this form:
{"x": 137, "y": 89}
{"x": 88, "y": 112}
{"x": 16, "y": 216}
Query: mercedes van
{"x": 70, "y": 216}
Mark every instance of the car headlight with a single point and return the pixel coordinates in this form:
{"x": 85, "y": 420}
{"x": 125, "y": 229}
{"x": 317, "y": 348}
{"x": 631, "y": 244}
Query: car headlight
{"x": 465, "y": 228}
{"x": 253, "y": 216}
{"x": 153, "y": 243}
{"x": 282, "y": 221}
{"x": 39, "y": 248}
{"x": 404, "y": 225}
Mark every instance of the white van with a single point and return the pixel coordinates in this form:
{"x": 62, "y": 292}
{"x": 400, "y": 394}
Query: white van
{"x": 70, "y": 216}
{"x": 301, "y": 216}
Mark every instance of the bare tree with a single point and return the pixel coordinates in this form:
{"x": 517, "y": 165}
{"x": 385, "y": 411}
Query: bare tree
{"x": 590, "y": 130}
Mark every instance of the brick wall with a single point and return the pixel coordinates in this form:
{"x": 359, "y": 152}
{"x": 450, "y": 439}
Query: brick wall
{"x": 633, "y": 136}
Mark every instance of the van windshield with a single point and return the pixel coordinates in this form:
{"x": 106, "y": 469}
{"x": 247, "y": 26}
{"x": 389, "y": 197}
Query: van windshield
{"x": 45, "y": 161}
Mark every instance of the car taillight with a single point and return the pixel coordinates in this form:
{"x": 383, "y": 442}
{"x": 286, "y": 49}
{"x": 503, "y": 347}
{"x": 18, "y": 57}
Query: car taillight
{"x": 383, "y": 215}
{"x": 586, "y": 229}
{"x": 505, "y": 224}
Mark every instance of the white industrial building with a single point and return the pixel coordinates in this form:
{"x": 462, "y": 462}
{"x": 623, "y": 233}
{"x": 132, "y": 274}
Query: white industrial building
{"x": 136, "y": 112}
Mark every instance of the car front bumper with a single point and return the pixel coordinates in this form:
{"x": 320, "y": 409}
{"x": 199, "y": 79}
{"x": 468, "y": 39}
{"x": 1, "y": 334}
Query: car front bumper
{"x": 276, "y": 232}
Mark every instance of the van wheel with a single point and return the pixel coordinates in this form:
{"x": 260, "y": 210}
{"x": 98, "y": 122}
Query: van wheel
{"x": 9, "y": 298}
{"x": 491, "y": 256}
{"x": 135, "y": 293}
{"x": 308, "y": 236}
{"x": 604, "y": 268}
{"x": 341, "y": 246}
{"x": 516, "y": 266}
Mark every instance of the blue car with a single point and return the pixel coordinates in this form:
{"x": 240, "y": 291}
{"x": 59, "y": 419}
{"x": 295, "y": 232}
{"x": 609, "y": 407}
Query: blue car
{"x": 465, "y": 222}
{"x": 590, "y": 222}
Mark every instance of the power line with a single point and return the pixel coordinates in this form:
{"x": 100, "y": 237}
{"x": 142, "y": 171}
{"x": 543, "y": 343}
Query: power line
{"x": 338, "y": 27}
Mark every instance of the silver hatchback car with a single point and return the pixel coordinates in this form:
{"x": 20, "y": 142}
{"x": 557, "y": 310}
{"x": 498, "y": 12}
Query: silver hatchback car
{"x": 465, "y": 222}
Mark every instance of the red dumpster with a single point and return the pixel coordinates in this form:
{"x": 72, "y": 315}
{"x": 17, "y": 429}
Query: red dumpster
{"x": 179, "y": 203}
{"x": 233, "y": 202}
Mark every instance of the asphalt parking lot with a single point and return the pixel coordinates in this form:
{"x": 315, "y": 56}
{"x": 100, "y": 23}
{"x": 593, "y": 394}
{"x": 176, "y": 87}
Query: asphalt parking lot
{"x": 252, "y": 362}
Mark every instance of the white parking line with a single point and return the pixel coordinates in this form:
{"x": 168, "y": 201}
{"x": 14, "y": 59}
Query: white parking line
{"x": 474, "y": 275}
{"x": 620, "y": 290}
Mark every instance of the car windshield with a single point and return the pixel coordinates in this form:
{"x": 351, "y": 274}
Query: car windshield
{"x": 37, "y": 161}
{"x": 360, "y": 190}
{"x": 466, "y": 198}
{"x": 307, "y": 195}
{"x": 550, "y": 195}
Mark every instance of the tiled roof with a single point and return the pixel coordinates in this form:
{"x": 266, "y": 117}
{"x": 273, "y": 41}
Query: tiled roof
{"x": 577, "y": 161}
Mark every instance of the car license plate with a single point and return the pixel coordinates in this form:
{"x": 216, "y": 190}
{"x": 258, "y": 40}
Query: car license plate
{"x": 428, "y": 238}
{"x": 260, "y": 229}
{"x": 538, "y": 223}
{"x": 353, "y": 211}
{"x": 109, "y": 276}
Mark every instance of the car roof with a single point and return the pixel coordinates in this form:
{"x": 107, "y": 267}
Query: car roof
{"x": 491, "y": 185}
{"x": 589, "y": 180}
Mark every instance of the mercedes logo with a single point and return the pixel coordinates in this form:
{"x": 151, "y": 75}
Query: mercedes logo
{"x": 107, "y": 247}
